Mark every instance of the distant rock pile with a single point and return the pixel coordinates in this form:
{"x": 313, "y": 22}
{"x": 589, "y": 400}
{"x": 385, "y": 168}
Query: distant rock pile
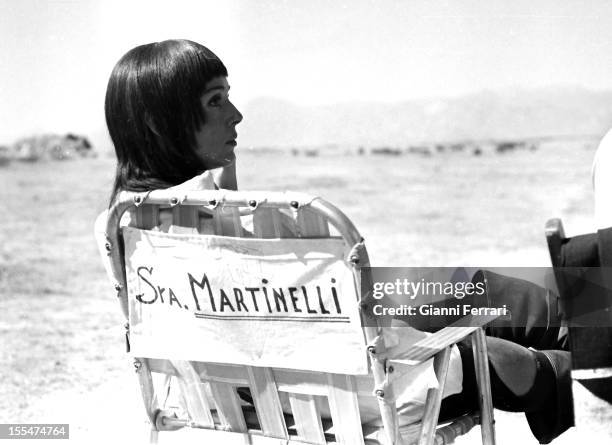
{"x": 47, "y": 147}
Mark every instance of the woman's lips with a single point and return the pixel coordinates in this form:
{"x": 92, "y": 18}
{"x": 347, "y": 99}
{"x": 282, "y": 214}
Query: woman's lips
{"x": 232, "y": 141}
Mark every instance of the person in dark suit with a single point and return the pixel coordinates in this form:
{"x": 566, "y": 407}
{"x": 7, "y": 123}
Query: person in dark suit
{"x": 529, "y": 360}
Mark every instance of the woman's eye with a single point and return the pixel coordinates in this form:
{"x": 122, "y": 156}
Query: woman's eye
{"x": 215, "y": 101}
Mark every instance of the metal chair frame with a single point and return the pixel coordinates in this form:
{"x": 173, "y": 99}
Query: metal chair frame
{"x": 313, "y": 217}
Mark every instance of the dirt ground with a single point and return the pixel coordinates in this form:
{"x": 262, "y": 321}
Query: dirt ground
{"x": 62, "y": 350}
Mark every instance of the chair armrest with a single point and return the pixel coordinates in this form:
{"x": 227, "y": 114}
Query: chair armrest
{"x": 432, "y": 344}
{"x": 555, "y": 234}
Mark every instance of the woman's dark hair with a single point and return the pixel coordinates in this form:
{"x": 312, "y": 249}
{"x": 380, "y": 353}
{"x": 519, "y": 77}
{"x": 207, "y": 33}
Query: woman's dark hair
{"x": 153, "y": 110}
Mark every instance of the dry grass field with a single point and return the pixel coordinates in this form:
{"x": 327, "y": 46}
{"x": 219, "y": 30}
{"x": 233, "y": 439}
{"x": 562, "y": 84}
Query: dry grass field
{"x": 61, "y": 330}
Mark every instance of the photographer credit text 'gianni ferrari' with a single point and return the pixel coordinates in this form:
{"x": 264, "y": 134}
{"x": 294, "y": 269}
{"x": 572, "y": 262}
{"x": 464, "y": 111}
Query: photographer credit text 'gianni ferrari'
{"x": 428, "y": 292}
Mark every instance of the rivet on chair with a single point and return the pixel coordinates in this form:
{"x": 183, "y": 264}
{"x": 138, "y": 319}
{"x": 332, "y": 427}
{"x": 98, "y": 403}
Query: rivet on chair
{"x": 252, "y": 203}
{"x": 372, "y": 350}
{"x": 108, "y": 246}
{"x": 137, "y": 199}
{"x": 212, "y": 202}
{"x": 118, "y": 287}
{"x": 380, "y": 393}
{"x": 137, "y": 365}
{"x": 174, "y": 201}
{"x": 294, "y": 204}
{"x": 354, "y": 259}
{"x": 390, "y": 369}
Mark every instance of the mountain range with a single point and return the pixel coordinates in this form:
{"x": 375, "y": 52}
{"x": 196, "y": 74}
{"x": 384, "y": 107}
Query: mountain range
{"x": 504, "y": 114}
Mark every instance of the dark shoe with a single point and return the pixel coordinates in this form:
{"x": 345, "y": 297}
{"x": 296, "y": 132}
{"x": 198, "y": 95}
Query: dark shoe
{"x": 556, "y": 414}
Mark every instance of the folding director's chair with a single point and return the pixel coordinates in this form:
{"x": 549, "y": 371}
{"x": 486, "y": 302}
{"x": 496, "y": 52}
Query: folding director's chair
{"x": 295, "y": 230}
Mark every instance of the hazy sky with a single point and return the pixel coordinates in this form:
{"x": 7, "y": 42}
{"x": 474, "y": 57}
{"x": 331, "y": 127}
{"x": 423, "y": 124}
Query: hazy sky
{"x": 56, "y": 55}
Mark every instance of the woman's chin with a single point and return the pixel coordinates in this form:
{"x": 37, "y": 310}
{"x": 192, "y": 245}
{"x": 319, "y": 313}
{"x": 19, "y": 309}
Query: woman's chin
{"x": 229, "y": 159}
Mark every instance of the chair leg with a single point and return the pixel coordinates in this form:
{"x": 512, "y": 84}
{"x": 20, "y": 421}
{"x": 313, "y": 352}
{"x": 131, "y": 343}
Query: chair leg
{"x": 153, "y": 436}
{"x": 483, "y": 379}
{"x": 147, "y": 388}
{"x": 434, "y": 399}
{"x": 149, "y": 396}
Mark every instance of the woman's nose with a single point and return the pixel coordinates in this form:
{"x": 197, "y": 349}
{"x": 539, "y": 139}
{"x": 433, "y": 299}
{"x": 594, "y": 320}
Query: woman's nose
{"x": 237, "y": 115}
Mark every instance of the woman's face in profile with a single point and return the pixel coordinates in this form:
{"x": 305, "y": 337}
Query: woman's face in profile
{"x": 216, "y": 138}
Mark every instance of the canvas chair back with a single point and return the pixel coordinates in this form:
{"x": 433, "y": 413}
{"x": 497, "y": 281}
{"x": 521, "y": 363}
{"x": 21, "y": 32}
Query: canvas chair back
{"x": 176, "y": 237}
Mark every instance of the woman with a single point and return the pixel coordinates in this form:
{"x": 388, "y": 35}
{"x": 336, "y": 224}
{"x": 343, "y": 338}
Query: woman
{"x": 171, "y": 121}
{"x": 170, "y": 118}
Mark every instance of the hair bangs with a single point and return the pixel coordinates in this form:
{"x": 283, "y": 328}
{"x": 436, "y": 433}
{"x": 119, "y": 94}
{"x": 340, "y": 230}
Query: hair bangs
{"x": 199, "y": 66}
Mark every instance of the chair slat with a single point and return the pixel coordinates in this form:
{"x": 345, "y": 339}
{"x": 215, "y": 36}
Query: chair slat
{"x": 276, "y": 223}
{"x": 207, "y": 225}
{"x": 147, "y": 216}
{"x": 228, "y": 406}
{"x": 344, "y": 408}
{"x": 311, "y": 224}
{"x": 290, "y": 381}
{"x": 236, "y": 222}
{"x": 307, "y": 418}
{"x": 302, "y": 382}
{"x": 226, "y": 400}
{"x": 192, "y": 391}
{"x": 266, "y": 223}
{"x": 434, "y": 399}
{"x": 311, "y": 383}
{"x": 224, "y": 221}
{"x": 186, "y": 216}
{"x": 267, "y": 402}
{"x": 230, "y": 374}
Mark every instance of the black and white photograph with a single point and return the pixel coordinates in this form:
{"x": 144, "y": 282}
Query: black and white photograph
{"x": 352, "y": 222}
